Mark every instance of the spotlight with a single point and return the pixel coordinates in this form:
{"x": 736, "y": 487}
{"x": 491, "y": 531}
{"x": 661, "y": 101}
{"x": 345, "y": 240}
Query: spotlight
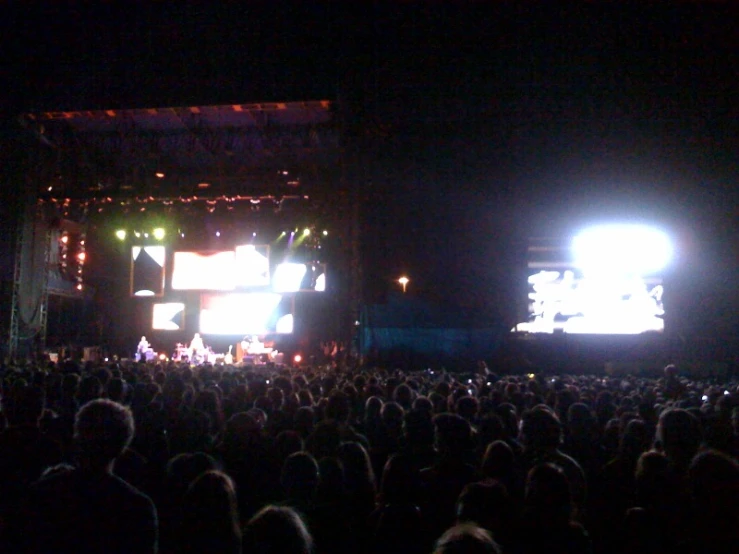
{"x": 146, "y": 235}
{"x": 159, "y": 233}
{"x": 137, "y": 234}
{"x": 159, "y": 175}
{"x": 254, "y": 234}
{"x": 120, "y": 234}
{"x": 325, "y": 233}
{"x": 79, "y": 286}
{"x": 65, "y": 239}
{"x": 81, "y": 256}
{"x": 306, "y": 232}
{"x": 298, "y": 358}
{"x": 218, "y": 233}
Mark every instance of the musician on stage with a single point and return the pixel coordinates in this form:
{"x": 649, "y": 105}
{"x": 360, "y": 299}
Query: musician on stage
{"x": 142, "y": 349}
{"x": 197, "y": 349}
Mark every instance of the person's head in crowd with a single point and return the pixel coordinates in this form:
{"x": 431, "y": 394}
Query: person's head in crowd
{"x": 372, "y": 409}
{"x": 299, "y": 477}
{"x": 452, "y": 436}
{"x": 714, "y": 487}
{"x": 241, "y": 431}
{"x": 541, "y": 429}
{"x": 418, "y": 429}
{"x": 485, "y": 504}
{"x": 679, "y": 436}
{"x": 581, "y": 421}
{"x": 548, "y": 498}
{"x": 635, "y": 440}
{"x": 304, "y": 421}
{"x": 438, "y": 401}
{"x": 467, "y": 407}
{"x": 498, "y": 461}
{"x": 89, "y": 389}
{"x": 339, "y": 407}
{"x": 403, "y": 395}
{"x": 423, "y": 404}
{"x": 466, "y": 538}
{"x": 277, "y": 530}
{"x": 210, "y": 516}
{"x": 392, "y": 415}
{"x": 652, "y": 479}
{"x": 490, "y": 428}
{"x": 286, "y": 443}
{"x": 183, "y": 469}
{"x": 507, "y": 413}
{"x": 116, "y": 390}
{"x": 358, "y": 470}
{"x": 331, "y": 488}
{"x": 400, "y": 481}
{"x": 24, "y": 404}
{"x": 103, "y": 429}
{"x": 325, "y": 439}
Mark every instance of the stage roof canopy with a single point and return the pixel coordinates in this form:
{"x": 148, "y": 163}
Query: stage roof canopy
{"x": 236, "y": 148}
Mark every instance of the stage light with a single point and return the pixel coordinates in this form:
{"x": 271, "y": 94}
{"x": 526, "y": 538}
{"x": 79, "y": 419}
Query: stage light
{"x": 163, "y": 357}
{"x": 159, "y": 175}
{"x": 306, "y": 232}
{"x": 159, "y": 233}
{"x": 81, "y": 256}
{"x": 79, "y": 286}
{"x": 65, "y": 239}
{"x": 218, "y": 233}
{"x": 254, "y": 234}
{"x": 137, "y": 234}
{"x": 146, "y": 235}
{"x": 622, "y": 250}
{"x": 298, "y": 358}
{"x": 120, "y": 234}
{"x": 325, "y": 233}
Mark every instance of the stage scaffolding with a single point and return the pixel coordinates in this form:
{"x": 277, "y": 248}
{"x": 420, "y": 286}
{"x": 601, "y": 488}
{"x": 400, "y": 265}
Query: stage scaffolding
{"x": 87, "y": 161}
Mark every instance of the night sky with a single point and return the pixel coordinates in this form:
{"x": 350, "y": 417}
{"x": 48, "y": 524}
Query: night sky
{"x": 483, "y": 122}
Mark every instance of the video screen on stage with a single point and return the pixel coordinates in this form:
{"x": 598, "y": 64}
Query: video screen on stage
{"x": 245, "y": 266}
{"x": 298, "y": 277}
{"x": 204, "y": 271}
{"x": 147, "y": 270}
{"x": 606, "y": 280}
{"x": 257, "y": 313}
{"x": 168, "y": 316}
{"x": 251, "y": 265}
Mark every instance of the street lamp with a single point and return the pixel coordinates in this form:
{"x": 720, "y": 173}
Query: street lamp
{"x": 404, "y": 282}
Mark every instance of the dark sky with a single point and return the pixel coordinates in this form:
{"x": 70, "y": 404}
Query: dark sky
{"x": 488, "y": 121}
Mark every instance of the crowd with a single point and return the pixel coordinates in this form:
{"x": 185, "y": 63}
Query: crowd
{"x": 141, "y": 458}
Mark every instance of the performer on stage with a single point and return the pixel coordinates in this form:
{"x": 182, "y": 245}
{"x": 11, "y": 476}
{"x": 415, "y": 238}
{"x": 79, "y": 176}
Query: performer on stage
{"x": 142, "y": 349}
{"x": 197, "y": 349}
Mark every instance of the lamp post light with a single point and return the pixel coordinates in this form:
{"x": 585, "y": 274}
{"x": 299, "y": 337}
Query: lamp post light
{"x": 404, "y": 282}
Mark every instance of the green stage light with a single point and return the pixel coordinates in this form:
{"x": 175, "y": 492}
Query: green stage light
{"x": 159, "y": 233}
{"x": 120, "y": 234}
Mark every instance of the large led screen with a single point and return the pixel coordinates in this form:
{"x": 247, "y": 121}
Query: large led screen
{"x": 251, "y": 265}
{"x": 204, "y": 271}
{"x": 169, "y": 316}
{"x": 607, "y": 280}
{"x": 147, "y": 270}
{"x": 295, "y": 277}
{"x": 257, "y": 313}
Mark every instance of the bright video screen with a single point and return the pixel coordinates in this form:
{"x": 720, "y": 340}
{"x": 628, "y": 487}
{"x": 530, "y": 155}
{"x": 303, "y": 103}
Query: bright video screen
{"x": 296, "y": 277}
{"x": 147, "y": 270}
{"x": 607, "y": 280}
{"x": 204, "y": 271}
{"x": 257, "y": 313}
{"x": 251, "y": 265}
{"x": 168, "y": 316}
